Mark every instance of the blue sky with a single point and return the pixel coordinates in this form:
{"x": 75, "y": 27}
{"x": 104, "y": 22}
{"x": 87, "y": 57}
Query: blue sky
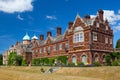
{"x": 39, "y": 16}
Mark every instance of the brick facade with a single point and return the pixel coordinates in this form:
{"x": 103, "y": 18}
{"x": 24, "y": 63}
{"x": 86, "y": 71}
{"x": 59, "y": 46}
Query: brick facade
{"x": 95, "y": 41}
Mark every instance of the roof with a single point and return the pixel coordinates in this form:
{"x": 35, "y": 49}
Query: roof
{"x": 34, "y": 37}
{"x": 26, "y": 37}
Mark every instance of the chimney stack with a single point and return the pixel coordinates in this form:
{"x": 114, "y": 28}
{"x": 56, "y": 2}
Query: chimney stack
{"x": 49, "y": 33}
{"x": 87, "y": 17}
{"x": 70, "y": 25}
{"x": 41, "y": 37}
{"x": 58, "y": 31}
{"x": 100, "y": 14}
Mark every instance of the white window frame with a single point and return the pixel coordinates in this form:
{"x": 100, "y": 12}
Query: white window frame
{"x": 44, "y": 50}
{"x": 78, "y": 37}
{"x": 106, "y": 27}
{"x": 106, "y": 39}
{"x": 94, "y": 36}
{"x": 40, "y": 50}
{"x": 49, "y": 48}
{"x": 111, "y": 41}
{"x": 60, "y": 46}
{"x": 97, "y": 24}
{"x": 55, "y": 47}
{"x": 66, "y": 45}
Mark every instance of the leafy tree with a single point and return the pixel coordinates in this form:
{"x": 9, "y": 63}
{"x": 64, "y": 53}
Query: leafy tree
{"x": 12, "y": 58}
{"x": 1, "y": 59}
{"x": 118, "y": 43}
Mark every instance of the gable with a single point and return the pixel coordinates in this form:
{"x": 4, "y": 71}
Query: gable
{"x": 48, "y": 40}
{"x": 78, "y": 22}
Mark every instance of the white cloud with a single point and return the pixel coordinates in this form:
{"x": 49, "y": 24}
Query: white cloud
{"x": 20, "y": 18}
{"x": 117, "y": 27}
{"x": 51, "y": 17}
{"x": 111, "y": 16}
{"x": 11, "y": 6}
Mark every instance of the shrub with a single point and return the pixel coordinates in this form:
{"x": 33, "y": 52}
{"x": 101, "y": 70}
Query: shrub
{"x": 80, "y": 64}
{"x": 51, "y": 61}
{"x": 51, "y": 70}
{"x": 108, "y": 60}
{"x": 42, "y": 70}
{"x": 24, "y": 63}
{"x": 96, "y": 64}
{"x": 71, "y": 64}
{"x": 115, "y": 63}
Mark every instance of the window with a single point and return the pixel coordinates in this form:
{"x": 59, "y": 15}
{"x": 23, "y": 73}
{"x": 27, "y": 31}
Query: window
{"x": 106, "y": 40}
{"x": 44, "y": 49}
{"x": 84, "y": 59}
{"x": 55, "y": 47}
{"x": 94, "y": 36}
{"x": 106, "y": 27}
{"x": 40, "y": 50}
{"x": 79, "y": 37}
{"x": 49, "y": 49}
{"x": 74, "y": 59}
{"x": 66, "y": 46}
{"x": 78, "y": 34}
{"x": 110, "y": 41}
{"x": 60, "y": 47}
{"x": 36, "y": 51}
{"x": 96, "y": 58}
{"x": 97, "y": 25}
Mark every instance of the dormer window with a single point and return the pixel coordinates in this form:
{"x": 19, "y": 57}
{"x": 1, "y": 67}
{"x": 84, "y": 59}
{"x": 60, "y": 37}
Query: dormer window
{"x": 78, "y": 34}
{"x": 97, "y": 24}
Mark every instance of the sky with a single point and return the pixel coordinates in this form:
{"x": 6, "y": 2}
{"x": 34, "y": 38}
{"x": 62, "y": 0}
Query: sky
{"x": 39, "y": 16}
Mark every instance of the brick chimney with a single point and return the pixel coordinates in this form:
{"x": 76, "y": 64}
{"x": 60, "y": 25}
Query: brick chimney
{"x": 58, "y": 30}
{"x": 41, "y": 37}
{"x": 49, "y": 33}
{"x": 100, "y": 14}
{"x": 70, "y": 25}
{"x": 87, "y": 17}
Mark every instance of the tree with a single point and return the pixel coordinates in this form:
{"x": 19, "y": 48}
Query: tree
{"x": 14, "y": 59}
{"x": 18, "y": 60}
{"x": 1, "y": 59}
{"x": 118, "y": 43}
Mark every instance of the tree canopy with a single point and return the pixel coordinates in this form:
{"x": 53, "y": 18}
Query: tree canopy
{"x": 1, "y": 59}
{"x": 14, "y": 59}
{"x": 118, "y": 43}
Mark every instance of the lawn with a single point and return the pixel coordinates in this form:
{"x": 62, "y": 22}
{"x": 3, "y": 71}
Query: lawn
{"x": 64, "y": 73}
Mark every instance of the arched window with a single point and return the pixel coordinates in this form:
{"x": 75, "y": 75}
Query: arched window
{"x": 78, "y": 34}
{"x": 84, "y": 59}
{"x": 103, "y": 59}
{"x": 96, "y": 58}
{"x": 74, "y": 59}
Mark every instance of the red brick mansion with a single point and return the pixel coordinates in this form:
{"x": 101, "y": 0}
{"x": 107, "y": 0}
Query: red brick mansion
{"x": 85, "y": 40}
